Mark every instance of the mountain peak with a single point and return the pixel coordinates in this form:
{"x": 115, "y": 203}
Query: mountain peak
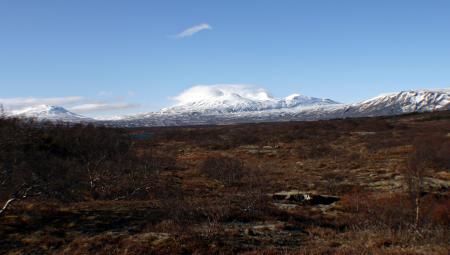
{"x": 48, "y": 112}
{"x": 236, "y": 98}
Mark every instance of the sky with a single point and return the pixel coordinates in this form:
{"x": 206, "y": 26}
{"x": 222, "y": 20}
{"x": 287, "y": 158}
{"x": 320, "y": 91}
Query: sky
{"x": 103, "y": 57}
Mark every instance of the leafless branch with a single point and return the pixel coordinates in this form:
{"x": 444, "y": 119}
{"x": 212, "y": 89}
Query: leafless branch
{"x": 22, "y": 193}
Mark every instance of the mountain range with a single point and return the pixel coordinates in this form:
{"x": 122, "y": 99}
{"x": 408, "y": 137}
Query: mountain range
{"x": 235, "y": 102}
{"x": 232, "y": 108}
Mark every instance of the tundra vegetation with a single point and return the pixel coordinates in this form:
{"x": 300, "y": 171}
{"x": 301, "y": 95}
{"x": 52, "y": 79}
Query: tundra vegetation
{"x": 354, "y": 186}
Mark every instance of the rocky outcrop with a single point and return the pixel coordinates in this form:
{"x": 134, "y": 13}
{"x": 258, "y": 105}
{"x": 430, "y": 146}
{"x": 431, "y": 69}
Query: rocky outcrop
{"x": 304, "y": 198}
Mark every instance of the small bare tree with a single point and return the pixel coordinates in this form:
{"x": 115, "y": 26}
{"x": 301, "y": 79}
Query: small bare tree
{"x": 414, "y": 177}
{"x": 417, "y": 166}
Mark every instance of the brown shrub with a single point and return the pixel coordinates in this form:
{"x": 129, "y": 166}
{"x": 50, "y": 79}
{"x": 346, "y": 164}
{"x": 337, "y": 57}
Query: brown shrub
{"x": 394, "y": 211}
{"x": 433, "y": 148}
{"x": 441, "y": 214}
{"x": 315, "y": 150}
{"x": 333, "y": 182}
{"x": 225, "y": 169}
{"x": 435, "y": 210}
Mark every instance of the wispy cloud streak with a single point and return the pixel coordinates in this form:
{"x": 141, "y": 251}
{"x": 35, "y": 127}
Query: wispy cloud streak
{"x": 95, "y": 107}
{"x": 193, "y": 30}
{"x": 19, "y": 102}
{"x": 76, "y": 104}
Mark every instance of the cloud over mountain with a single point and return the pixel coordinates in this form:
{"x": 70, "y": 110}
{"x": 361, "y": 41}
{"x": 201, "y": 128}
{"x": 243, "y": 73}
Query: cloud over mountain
{"x": 222, "y": 91}
{"x": 222, "y": 98}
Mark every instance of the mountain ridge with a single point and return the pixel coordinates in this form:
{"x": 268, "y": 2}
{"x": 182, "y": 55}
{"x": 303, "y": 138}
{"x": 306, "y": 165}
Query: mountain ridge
{"x": 234, "y": 108}
{"x": 233, "y": 102}
{"x": 385, "y": 104}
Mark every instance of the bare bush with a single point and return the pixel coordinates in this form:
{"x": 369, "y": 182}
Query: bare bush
{"x": 333, "y": 181}
{"x": 70, "y": 162}
{"x": 315, "y": 150}
{"x": 227, "y": 170}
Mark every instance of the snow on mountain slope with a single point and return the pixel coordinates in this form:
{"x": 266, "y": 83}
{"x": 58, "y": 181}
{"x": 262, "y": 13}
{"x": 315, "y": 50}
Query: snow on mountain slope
{"x": 297, "y": 100}
{"x": 225, "y": 105}
{"x": 219, "y": 99}
{"x": 387, "y": 104}
{"x": 401, "y": 102}
{"x": 49, "y": 112}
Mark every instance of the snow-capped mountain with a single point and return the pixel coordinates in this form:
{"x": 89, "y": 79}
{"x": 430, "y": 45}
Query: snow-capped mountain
{"x": 225, "y": 106}
{"x": 292, "y": 108}
{"x": 236, "y": 103}
{"x": 296, "y": 100}
{"x": 49, "y": 112}
{"x": 401, "y": 102}
{"x": 219, "y": 99}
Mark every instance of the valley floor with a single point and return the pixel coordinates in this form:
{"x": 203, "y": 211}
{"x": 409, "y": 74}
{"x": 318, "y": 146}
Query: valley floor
{"x": 323, "y": 187}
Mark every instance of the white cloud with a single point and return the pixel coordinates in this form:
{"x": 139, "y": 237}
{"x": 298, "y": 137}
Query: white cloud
{"x": 76, "y": 104}
{"x": 95, "y": 107}
{"x": 21, "y": 102}
{"x": 222, "y": 91}
{"x": 193, "y": 30}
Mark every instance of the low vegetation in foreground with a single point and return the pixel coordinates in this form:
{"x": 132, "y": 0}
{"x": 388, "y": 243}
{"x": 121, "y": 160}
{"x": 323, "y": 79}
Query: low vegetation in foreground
{"x": 354, "y": 186}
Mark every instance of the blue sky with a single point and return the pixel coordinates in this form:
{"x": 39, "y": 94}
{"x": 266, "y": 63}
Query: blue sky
{"x": 131, "y": 56}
